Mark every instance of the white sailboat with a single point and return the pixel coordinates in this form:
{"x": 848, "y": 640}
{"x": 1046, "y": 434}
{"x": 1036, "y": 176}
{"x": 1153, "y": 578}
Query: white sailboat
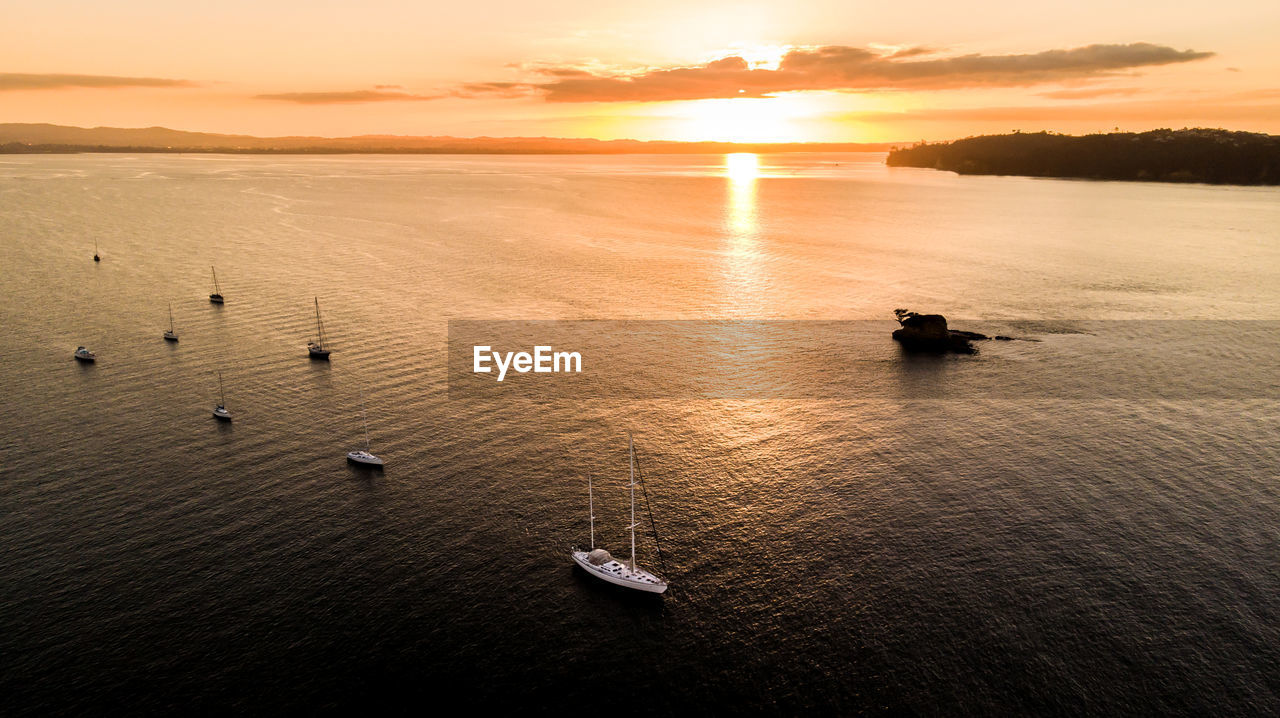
{"x": 216, "y": 297}
{"x": 220, "y": 412}
{"x": 316, "y": 348}
{"x": 170, "y": 335}
{"x": 362, "y": 456}
{"x": 601, "y": 564}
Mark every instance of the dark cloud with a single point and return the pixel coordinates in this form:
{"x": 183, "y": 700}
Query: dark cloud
{"x": 1223, "y": 108}
{"x": 843, "y": 68}
{"x": 20, "y": 81}
{"x": 345, "y": 97}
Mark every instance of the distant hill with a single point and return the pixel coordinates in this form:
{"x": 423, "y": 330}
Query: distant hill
{"x": 1200, "y": 155}
{"x": 18, "y": 138}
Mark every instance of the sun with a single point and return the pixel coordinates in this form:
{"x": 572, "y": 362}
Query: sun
{"x": 755, "y": 119}
{"x": 742, "y": 166}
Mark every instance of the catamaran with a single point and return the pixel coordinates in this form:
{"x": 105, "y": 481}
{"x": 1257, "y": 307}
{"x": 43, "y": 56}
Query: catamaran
{"x": 316, "y": 348}
{"x": 599, "y": 563}
{"x": 216, "y": 297}
{"x": 170, "y": 335}
{"x": 362, "y": 456}
{"x": 220, "y": 411}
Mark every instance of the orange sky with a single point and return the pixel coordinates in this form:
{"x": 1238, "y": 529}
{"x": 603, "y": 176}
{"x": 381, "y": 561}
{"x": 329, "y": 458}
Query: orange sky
{"x": 805, "y": 70}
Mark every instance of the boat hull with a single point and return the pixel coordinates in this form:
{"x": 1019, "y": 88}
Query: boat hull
{"x": 356, "y": 457}
{"x": 86, "y": 360}
{"x": 226, "y": 416}
{"x": 216, "y": 298}
{"x": 170, "y": 337}
{"x": 580, "y": 558}
{"x": 318, "y": 353}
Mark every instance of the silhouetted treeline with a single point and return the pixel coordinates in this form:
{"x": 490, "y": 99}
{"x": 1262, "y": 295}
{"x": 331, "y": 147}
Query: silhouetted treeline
{"x": 1199, "y": 155}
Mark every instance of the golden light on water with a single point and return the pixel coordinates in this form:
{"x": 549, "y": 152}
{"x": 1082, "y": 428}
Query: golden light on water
{"x": 743, "y": 170}
{"x": 744, "y": 279}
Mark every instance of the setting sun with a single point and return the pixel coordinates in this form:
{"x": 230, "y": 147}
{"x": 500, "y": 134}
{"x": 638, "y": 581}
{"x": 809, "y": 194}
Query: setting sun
{"x": 768, "y": 119}
{"x": 742, "y": 166}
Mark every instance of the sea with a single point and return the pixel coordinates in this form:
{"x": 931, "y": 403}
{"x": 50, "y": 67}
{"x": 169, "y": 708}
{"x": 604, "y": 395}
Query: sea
{"x": 1020, "y": 533}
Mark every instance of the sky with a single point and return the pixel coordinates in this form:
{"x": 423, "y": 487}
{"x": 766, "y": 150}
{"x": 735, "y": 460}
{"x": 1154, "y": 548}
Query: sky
{"x": 802, "y": 70}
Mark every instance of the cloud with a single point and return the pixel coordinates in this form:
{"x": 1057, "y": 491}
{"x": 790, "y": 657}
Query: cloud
{"x": 492, "y": 89}
{"x": 844, "y": 68}
{"x": 346, "y": 97}
{"x": 1238, "y": 107}
{"x": 1088, "y": 93}
{"x": 20, "y": 81}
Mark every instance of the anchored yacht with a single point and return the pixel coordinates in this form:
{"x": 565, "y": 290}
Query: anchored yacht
{"x": 600, "y": 563}
{"x": 220, "y": 411}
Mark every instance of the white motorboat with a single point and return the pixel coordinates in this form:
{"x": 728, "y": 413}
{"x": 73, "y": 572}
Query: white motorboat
{"x": 600, "y": 563}
{"x": 85, "y": 355}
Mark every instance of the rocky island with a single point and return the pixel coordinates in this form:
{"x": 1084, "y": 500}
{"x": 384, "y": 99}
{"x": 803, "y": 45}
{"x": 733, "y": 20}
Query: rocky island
{"x": 1199, "y": 155}
{"x": 929, "y": 333}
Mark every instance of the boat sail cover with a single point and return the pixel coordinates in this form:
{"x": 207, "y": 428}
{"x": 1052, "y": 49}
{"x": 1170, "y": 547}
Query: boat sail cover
{"x": 599, "y": 557}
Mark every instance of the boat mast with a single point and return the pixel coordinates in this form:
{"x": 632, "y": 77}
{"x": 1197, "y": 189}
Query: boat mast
{"x": 631, "y": 456}
{"x": 319, "y": 326}
{"x": 216, "y": 288}
{"x": 170, "y": 317}
{"x": 591, "y": 512}
{"x": 365, "y": 417}
{"x": 221, "y": 393}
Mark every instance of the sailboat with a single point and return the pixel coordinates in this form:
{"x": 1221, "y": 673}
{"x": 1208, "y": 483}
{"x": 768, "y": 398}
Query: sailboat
{"x": 362, "y": 456}
{"x": 316, "y": 348}
{"x": 83, "y": 354}
{"x": 216, "y": 297}
{"x": 170, "y": 335}
{"x": 220, "y": 412}
{"x": 601, "y": 564}
{"x": 96, "y": 258}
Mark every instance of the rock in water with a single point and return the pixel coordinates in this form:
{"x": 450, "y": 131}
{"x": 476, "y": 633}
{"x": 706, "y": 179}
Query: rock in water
{"x": 929, "y": 333}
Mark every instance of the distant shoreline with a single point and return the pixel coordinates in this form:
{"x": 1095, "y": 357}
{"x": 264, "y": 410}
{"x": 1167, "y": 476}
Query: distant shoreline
{"x": 25, "y": 138}
{"x": 1185, "y": 156}
{"x": 9, "y": 149}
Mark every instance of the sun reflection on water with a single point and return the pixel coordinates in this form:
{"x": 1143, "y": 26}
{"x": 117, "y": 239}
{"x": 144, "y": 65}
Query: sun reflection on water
{"x": 744, "y": 280}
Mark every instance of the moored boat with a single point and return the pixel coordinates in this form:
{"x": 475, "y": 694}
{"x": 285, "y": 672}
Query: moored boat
{"x": 317, "y": 349}
{"x": 216, "y": 296}
{"x": 220, "y": 411}
{"x": 170, "y": 335}
{"x": 600, "y": 563}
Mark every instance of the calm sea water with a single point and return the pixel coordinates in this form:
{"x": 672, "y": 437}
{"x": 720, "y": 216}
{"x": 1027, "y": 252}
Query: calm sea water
{"x": 1052, "y": 553}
